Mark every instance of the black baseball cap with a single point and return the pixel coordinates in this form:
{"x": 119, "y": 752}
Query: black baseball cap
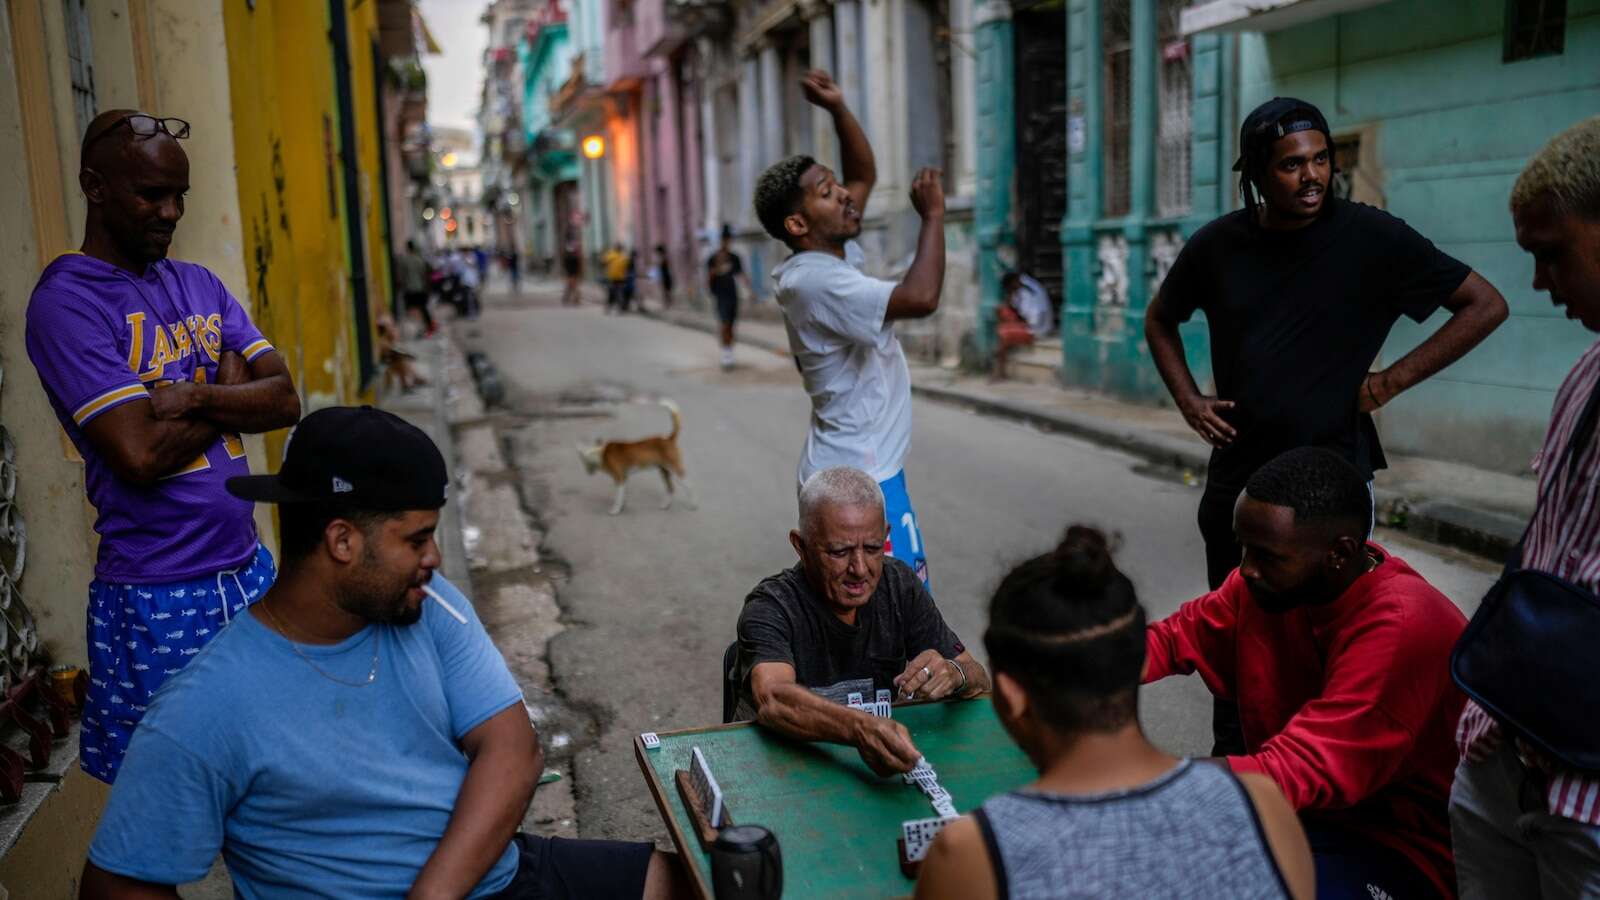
{"x": 360, "y": 456}
{"x": 1276, "y": 118}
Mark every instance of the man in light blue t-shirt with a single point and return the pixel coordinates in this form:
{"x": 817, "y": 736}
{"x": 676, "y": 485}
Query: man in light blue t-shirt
{"x": 841, "y": 320}
{"x": 346, "y": 737}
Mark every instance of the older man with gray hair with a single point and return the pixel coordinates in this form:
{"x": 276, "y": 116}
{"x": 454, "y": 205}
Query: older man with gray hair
{"x": 846, "y": 620}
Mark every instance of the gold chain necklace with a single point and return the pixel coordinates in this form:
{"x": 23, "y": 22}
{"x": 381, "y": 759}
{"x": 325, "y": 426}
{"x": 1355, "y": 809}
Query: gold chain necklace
{"x": 372, "y": 675}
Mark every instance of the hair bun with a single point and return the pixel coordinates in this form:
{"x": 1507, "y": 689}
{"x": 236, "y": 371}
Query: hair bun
{"x": 1084, "y": 556}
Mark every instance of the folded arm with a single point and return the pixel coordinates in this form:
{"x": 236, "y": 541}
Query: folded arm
{"x": 263, "y": 400}
{"x": 505, "y": 762}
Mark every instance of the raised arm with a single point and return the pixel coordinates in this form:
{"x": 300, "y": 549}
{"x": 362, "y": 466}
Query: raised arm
{"x": 504, "y": 764}
{"x": 918, "y": 293}
{"x": 790, "y": 709}
{"x": 1476, "y": 309}
{"x": 860, "y": 170}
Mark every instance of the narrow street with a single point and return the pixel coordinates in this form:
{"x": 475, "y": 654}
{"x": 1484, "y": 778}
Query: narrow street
{"x": 650, "y": 597}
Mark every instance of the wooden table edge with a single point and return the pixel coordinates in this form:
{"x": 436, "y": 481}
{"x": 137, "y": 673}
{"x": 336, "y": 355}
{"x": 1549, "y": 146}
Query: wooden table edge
{"x": 658, "y": 792}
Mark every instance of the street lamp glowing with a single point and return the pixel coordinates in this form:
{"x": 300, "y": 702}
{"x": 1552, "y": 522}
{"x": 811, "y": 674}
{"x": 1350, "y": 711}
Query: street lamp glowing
{"x": 594, "y": 146}
{"x": 448, "y": 160}
{"x": 445, "y": 213}
{"x": 427, "y": 214}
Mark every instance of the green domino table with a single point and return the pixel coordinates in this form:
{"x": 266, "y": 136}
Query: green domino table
{"x": 836, "y": 822}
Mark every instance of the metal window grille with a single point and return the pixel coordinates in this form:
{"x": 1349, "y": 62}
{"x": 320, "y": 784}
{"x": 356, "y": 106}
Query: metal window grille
{"x": 1535, "y": 28}
{"x": 80, "y": 57}
{"x": 1116, "y": 31}
{"x": 1174, "y": 107}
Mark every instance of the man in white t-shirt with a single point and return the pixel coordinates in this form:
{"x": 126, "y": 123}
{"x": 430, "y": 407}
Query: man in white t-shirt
{"x": 840, "y": 320}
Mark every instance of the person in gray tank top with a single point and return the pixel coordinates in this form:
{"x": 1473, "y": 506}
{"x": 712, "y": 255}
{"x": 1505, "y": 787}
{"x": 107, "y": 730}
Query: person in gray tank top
{"x": 1110, "y": 815}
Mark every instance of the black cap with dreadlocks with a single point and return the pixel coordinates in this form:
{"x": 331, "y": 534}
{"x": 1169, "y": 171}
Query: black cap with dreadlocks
{"x": 1274, "y": 119}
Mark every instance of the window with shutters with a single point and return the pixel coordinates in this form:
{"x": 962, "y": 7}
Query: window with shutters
{"x": 1174, "y": 84}
{"x": 1116, "y": 32}
{"x": 80, "y": 59}
{"x": 1535, "y": 28}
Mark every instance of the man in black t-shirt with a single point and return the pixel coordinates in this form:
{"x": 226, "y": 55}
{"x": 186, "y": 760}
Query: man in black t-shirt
{"x": 1300, "y": 290}
{"x": 846, "y": 620}
{"x": 723, "y": 271}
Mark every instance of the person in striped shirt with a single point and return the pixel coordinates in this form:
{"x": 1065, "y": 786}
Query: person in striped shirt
{"x": 154, "y": 370}
{"x": 1523, "y": 827}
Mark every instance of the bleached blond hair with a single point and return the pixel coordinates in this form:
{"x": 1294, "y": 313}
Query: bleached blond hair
{"x": 1567, "y": 171}
{"x": 838, "y": 486}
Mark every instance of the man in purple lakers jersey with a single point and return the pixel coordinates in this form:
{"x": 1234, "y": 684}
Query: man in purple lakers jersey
{"x": 154, "y": 370}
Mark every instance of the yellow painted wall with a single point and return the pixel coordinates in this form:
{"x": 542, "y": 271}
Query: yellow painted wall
{"x": 363, "y": 33}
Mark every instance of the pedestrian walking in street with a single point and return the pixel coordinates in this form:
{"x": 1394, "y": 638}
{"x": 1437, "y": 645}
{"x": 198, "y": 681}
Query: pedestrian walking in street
{"x": 514, "y": 267}
{"x": 153, "y": 369}
{"x": 572, "y": 268}
{"x": 616, "y": 267}
{"x": 664, "y": 275}
{"x": 411, "y": 277}
{"x": 1524, "y": 824}
{"x": 375, "y": 743}
{"x": 480, "y": 260}
{"x": 1300, "y": 290}
{"x": 630, "y": 282}
{"x": 841, "y": 320}
{"x": 724, "y": 271}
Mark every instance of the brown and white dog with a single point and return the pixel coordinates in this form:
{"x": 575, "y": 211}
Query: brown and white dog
{"x": 618, "y": 458}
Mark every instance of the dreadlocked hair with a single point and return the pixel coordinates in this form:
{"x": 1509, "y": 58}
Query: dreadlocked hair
{"x": 1069, "y": 628}
{"x": 1257, "y": 157}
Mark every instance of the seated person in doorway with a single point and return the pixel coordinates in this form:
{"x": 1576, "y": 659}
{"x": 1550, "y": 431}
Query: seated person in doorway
{"x": 1110, "y": 815}
{"x": 846, "y": 619}
{"x": 1011, "y": 328}
{"x": 1337, "y": 654}
{"x": 344, "y": 737}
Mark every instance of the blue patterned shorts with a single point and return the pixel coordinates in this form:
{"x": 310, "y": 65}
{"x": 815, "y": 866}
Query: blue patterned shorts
{"x": 142, "y": 634}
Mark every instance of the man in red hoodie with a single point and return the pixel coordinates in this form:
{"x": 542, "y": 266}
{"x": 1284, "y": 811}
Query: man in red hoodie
{"x": 1337, "y": 654}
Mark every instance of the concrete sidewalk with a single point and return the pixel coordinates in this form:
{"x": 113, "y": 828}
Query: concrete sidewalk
{"x": 1473, "y": 509}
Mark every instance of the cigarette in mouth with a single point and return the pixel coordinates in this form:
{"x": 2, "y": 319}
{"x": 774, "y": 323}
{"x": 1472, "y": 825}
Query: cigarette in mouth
{"x": 442, "y": 602}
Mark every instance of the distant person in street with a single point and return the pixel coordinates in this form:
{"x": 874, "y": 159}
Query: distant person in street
{"x": 1337, "y": 655}
{"x": 411, "y": 277}
{"x": 846, "y": 620}
{"x": 480, "y": 259}
{"x": 616, "y": 267}
{"x": 572, "y": 268}
{"x": 514, "y": 268}
{"x": 1300, "y": 290}
{"x": 841, "y": 320}
{"x": 630, "y": 282}
{"x": 1525, "y": 826}
{"x": 1110, "y": 815}
{"x": 375, "y": 744}
{"x": 724, "y": 271}
{"x": 154, "y": 370}
{"x": 1030, "y": 299}
{"x": 1011, "y": 328}
{"x": 664, "y": 275}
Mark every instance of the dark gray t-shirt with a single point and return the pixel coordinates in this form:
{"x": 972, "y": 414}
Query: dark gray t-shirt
{"x": 784, "y": 621}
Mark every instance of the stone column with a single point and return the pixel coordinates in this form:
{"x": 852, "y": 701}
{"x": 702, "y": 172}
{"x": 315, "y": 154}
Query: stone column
{"x": 963, "y": 77}
{"x": 1080, "y": 348}
{"x": 847, "y": 55}
{"x": 772, "y": 118}
{"x": 750, "y": 155}
{"x": 711, "y": 146}
{"x": 996, "y": 156}
{"x": 819, "y": 18}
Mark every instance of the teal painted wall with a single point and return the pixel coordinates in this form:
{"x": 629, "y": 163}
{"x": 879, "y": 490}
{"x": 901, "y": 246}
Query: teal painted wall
{"x": 1453, "y": 125}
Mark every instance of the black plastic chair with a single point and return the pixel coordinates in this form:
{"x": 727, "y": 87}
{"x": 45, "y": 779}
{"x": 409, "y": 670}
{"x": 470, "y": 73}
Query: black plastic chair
{"x": 730, "y": 682}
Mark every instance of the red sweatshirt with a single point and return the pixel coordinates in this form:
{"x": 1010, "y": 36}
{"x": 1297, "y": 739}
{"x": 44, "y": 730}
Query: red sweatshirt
{"x": 1349, "y": 707}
